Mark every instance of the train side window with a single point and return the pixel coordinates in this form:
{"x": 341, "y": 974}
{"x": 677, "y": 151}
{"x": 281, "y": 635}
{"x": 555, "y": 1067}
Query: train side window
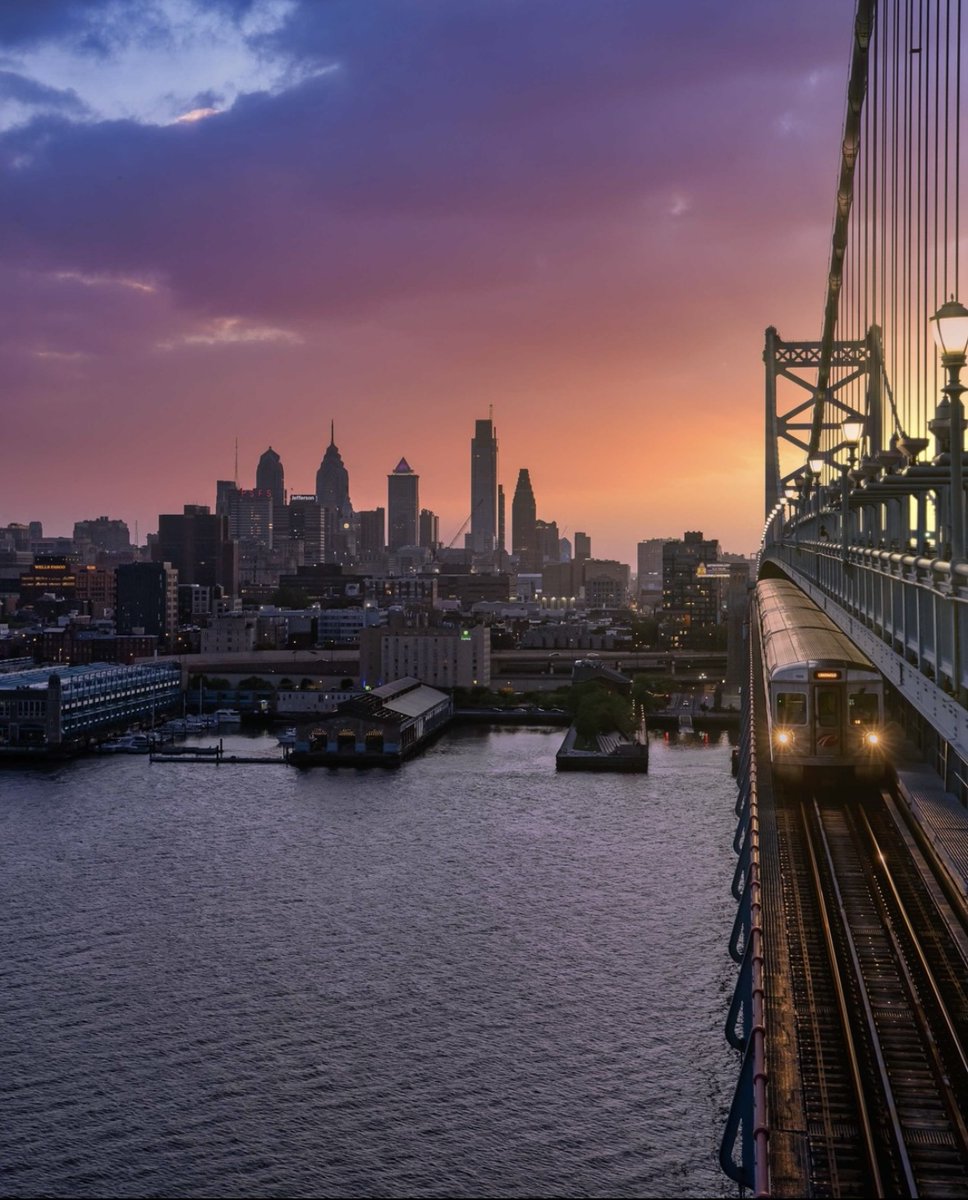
{"x": 862, "y": 708}
{"x": 791, "y": 708}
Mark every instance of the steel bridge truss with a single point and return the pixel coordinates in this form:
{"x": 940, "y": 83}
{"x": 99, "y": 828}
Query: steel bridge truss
{"x": 798, "y": 424}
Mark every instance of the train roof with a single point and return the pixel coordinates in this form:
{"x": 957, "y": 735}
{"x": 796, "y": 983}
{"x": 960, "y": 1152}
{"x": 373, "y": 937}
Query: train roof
{"x": 794, "y": 630}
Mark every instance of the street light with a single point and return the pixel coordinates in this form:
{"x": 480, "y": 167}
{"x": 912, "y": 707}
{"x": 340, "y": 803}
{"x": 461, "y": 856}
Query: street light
{"x": 815, "y": 467}
{"x": 950, "y": 329}
{"x": 851, "y": 427}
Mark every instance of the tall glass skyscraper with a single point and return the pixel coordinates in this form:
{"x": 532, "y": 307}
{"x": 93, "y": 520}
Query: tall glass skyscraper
{"x": 333, "y": 494}
{"x": 483, "y": 535}
{"x": 403, "y": 506}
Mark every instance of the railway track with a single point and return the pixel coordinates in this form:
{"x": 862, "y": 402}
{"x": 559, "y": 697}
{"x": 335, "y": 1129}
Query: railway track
{"x": 880, "y": 983}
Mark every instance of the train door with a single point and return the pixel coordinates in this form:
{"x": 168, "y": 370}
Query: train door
{"x": 828, "y": 722}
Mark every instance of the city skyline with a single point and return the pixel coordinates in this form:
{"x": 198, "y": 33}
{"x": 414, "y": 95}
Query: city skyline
{"x": 248, "y": 220}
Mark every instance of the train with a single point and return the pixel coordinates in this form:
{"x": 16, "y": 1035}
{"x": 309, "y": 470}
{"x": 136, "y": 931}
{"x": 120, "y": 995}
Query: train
{"x": 824, "y": 697}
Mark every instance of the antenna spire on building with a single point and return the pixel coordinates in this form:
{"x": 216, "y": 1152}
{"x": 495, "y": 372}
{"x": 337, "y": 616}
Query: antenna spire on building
{"x": 332, "y": 433}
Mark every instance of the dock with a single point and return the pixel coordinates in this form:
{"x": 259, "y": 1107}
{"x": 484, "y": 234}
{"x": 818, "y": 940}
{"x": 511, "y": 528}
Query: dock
{"x": 615, "y": 752}
{"x": 214, "y": 755}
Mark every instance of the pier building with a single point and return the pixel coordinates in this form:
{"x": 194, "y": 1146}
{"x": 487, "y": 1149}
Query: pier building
{"x": 62, "y": 710}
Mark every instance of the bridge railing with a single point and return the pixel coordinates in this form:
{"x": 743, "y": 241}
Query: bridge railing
{"x": 747, "y": 1126}
{"x": 907, "y": 611}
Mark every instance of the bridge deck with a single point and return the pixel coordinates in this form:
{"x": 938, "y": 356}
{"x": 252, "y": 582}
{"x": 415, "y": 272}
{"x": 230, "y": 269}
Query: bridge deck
{"x": 941, "y": 816}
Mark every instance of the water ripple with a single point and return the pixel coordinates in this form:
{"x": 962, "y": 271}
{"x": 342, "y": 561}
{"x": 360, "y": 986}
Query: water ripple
{"x": 469, "y": 977}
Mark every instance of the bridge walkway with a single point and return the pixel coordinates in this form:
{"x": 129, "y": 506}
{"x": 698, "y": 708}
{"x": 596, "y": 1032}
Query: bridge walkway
{"x": 942, "y": 818}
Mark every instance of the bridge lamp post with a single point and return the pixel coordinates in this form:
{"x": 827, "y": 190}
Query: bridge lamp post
{"x": 950, "y": 328}
{"x": 792, "y": 494}
{"x": 851, "y": 428}
{"x": 815, "y": 466}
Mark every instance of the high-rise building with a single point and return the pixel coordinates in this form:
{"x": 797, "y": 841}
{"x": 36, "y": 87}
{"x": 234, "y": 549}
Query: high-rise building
{"x": 307, "y": 525}
{"x": 546, "y": 541}
{"x": 524, "y": 536}
{"x": 147, "y": 600}
{"x": 372, "y": 533}
{"x": 332, "y": 479}
{"x": 428, "y": 529}
{"x": 225, "y": 489}
{"x": 583, "y": 545}
{"x": 483, "y": 535}
{"x": 250, "y": 514}
{"x": 269, "y": 477}
{"x": 333, "y": 493}
{"x": 197, "y": 544}
{"x": 403, "y": 506}
{"x": 649, "y": 564}
{"x": 502, "y": 541}
{"x": 690, "y": 595}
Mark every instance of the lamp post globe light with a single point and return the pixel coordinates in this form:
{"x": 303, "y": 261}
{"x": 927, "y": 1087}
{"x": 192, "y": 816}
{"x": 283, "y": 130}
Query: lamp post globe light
{"x": 950, "y": 329}
{"x": 815, "y": 465}
{"x": 851, "y": 428}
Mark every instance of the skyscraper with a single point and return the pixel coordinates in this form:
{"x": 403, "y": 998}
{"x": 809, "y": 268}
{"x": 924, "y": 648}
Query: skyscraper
{"x": 429, "y": 529}
{"x": 523, "y": 523}
{"x": 197, "y": 544}
{"x": 269, "y": 477}
{"x": 147, "y": 599}
{"x": 332, "y": 478}
{"x": 333, "y": 493}
{"x": 403, "y": 506}
{"x": 372, "y": 537}
{"x": 483, "y": 535}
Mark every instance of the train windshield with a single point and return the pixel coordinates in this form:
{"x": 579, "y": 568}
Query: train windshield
{"x": 862, "y": 708}
{"x": 791, "y": 708}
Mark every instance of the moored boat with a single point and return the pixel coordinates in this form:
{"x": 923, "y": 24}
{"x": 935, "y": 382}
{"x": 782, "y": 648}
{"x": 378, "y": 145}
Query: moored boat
{"x": 128, "y": 743}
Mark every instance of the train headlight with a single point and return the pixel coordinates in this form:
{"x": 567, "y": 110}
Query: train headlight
{"x": 872, "y": 738}
{"x": 784, "y": 738}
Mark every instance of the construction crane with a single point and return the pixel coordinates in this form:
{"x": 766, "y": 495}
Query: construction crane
{"x": 466, "y": 522}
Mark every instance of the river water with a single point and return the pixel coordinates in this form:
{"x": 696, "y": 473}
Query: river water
{"x": 470, "y": 976}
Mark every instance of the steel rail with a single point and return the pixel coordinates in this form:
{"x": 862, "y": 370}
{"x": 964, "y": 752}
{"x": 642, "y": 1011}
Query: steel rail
{"x": 887, "y": 1089}
{"x": 950, "y": 1029}
{"x": 856, "y": 1074}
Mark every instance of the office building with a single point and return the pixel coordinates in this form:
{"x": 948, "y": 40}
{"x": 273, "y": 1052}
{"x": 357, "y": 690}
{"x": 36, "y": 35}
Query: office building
{"x": 103, "y": 534}
{"x": 583, "y": 545}
{"x": 147, "y": 600}
{"x": 483, "y": 534}
{"x": 52, "y": 574}
{"x": 690, "y": 592}
{"x": 95, "y": 590}
{"x": 606, "y": 583}
{"x": 546, "y": 542}
{"x": 403, "y": 506}
{"x": 197, "y": 544}
{"x": 307, "y": 528}
{"x": 428, "y": 530}
{"x": 270, "y": 477}
{"x": 250, "y": 514}
{"x": 371, "y": 536}
{"x": 443, "y": 658}
{"x": 333, "y": 494}
{"x": 524, "y": 536}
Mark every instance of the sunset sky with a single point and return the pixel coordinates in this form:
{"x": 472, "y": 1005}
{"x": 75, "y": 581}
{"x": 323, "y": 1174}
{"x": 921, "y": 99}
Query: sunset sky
{"x": 242, "y": 220}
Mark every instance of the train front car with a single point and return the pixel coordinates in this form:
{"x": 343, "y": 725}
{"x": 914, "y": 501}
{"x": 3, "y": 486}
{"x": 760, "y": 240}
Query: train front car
{"x": 825, "y": 699}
